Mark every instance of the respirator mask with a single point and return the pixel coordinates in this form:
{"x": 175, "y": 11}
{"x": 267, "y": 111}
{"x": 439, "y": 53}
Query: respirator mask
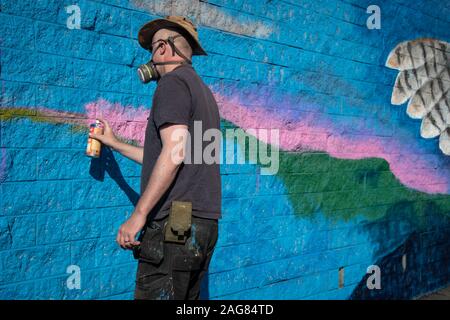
{"x": 148, "y": 72}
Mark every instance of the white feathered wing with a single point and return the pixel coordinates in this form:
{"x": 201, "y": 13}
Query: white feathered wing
{"x": 424, "y": 80}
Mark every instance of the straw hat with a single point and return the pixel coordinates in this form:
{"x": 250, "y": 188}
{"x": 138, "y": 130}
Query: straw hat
{"x": 182, "y": 24}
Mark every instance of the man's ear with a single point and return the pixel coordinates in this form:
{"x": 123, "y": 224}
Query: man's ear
{"x": 162, "y": 49}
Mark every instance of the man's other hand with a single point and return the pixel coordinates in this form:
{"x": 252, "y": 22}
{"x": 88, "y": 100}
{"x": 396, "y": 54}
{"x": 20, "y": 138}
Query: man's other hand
{"x": 126, "y": 237}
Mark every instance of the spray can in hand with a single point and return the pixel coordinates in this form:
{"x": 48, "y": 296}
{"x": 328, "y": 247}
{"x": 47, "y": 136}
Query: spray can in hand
{"x": 94, "y": 146}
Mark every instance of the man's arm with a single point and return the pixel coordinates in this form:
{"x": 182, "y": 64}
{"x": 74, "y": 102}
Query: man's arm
{"x": 173, "y": 138}
{"x": 131, "y": 152}
{"x": 109, "y": 139}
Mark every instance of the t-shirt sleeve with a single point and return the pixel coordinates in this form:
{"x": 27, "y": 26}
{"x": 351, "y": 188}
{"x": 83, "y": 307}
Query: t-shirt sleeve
{"x": 172, "y": 102}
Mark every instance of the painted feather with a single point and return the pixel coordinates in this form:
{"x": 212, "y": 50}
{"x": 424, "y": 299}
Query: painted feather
{"x": 424, "y": 80}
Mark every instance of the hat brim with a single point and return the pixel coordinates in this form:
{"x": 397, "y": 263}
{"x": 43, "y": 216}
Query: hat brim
{"x": 147, "y": 31}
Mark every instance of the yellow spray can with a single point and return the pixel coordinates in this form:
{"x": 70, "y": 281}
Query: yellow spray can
{"x": 94, "y": 146}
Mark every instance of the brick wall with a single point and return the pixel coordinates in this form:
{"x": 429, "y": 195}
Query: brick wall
{"x": 356, "y": 186}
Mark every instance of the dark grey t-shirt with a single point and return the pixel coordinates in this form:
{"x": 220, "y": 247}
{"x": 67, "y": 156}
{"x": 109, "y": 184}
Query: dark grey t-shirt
{"x": 181, "y": 97}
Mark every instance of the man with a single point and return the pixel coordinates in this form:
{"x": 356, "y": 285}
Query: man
{"x": 171, "y": 270}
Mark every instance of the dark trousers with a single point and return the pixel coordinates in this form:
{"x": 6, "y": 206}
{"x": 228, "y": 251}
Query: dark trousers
{"x": 170, "y": 270}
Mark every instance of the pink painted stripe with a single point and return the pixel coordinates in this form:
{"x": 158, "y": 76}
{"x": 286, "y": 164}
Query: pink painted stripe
{"x": 127, "y": 122}
{"x": 311, "y": 133}
{"x": 308, "y": 134}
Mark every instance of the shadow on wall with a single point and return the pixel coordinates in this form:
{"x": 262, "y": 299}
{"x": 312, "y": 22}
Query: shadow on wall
{"x": 204, "y": 289}
{"x": 107, "y": 162}
{"x": 418, "y": 266}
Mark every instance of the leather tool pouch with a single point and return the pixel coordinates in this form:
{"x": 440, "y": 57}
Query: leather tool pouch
{"x": 151, "y": 247}
{"x": 177, "y": 228}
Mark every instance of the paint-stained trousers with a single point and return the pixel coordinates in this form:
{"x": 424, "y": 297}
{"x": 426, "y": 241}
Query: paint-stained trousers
{"x": 170, "y": 270}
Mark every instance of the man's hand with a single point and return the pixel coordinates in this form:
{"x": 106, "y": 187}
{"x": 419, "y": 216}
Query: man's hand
{"x": 126, "y": 237}
{"x": 107, "y": 138}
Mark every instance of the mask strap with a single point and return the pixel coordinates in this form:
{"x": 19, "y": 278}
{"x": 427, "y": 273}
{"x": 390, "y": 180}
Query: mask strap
{"x": 174, "y": 48}
{"x": 168, "y": 62}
